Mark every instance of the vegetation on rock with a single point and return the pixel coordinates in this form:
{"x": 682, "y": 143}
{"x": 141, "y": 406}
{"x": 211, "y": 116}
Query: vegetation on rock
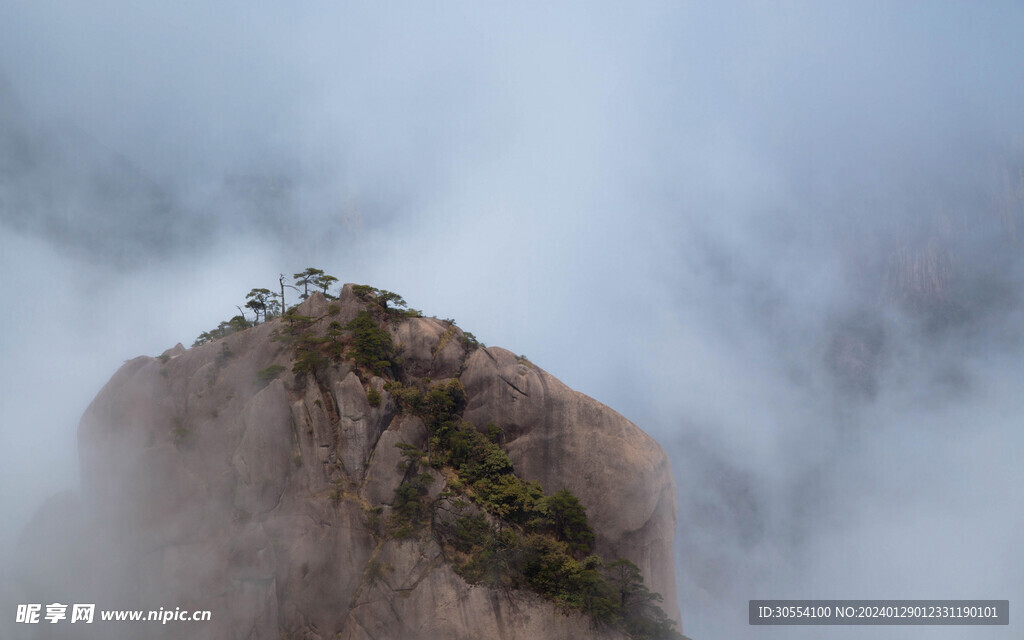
{"x": 225, "y": 328}
{"x": 264, "y": 376}
{"x": 495, "y": 528}
{"x": 392, "y": 304}
{"x": 371, "y": 344}
{"x": 269, "y": 304}
{"x": 518, "y": 538}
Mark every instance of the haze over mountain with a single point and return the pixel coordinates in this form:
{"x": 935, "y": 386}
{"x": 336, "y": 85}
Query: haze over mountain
{"x": 783, "y": 239}
{"x": 341, "y": 472}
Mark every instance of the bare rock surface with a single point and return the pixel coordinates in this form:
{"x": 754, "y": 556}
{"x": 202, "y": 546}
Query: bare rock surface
{"x": 219, "y": 479}
{"x": 563, "y": 438}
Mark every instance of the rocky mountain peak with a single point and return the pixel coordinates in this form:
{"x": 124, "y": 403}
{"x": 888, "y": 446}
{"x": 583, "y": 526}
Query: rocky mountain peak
{"x": 352, "y": 469}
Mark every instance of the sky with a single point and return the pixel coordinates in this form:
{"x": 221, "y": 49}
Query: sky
{"x": 783, "y": 238}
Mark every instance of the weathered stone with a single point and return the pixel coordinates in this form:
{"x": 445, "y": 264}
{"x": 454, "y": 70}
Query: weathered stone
{"x": 383, "y": 475}
{"x": 413, "y": 594}
{"x": 263, "y": 458}
{"x": 206, "y": 485}
{"x": 563, "y": 438}
{"x": 430, "y": 347}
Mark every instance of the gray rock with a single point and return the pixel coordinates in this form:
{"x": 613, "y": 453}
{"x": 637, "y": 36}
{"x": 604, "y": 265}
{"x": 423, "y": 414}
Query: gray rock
{"x": 205, "y": 486}
{"x": 383, "y": 475}
{"x": 430, "y": 347}
{"x": 263, "y": 458}
{"x": 563, "y": 438}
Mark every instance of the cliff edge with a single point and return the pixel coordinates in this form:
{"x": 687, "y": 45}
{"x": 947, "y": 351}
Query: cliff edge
{"x": 348, "y": 470}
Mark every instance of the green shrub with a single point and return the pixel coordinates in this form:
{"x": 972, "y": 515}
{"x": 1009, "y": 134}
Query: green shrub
{"x": 551, "y": 570}
{"x": 373, "y": 397}
{"x": 372, "y": 347}
{"x": 524, "y": 538}
{"x": 372, "y": 519}
{"x": 567, "y": 519}
{"x": 264, "y": 376}
{"x": 225, "y": 328}
{"x": 390, "y": 303}
{"x": 308, "y": 361}
{"x": 472, "y": 531}
{"x": 409, "y": 511}
{"x": 296, "y": 323}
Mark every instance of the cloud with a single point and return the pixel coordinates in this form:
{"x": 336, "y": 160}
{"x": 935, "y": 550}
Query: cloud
{"x": 785, "y": 239}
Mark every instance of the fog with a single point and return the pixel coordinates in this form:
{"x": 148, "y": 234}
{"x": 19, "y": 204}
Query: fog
{"x": 784, "y": 239}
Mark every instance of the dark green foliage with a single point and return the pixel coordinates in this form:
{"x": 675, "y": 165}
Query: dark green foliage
{"x": 264, "y": 376}
{"x": 333, "y": 342}
{"x": 540, "y": 542}
{"x": 308, "y": 356}
{"x": 388, "y": 298}
{"x": 269, "y": 304}
{"x": 324, "y": 282}
{"x": 492, "y": 557}
{"x": 636, "y": 606}
{"x": 307, "y": 361}
{"x": 413, "y": 454}
{"x": 390, "y": 303}
{"x": 263, "y": 301}
{"x": 372, "y": 347}
{"x": 373, "y": 397}
{"x": 308, "y": 277}
{"x": 596, "y": 596}
{"x": 550, "y": 569}
{"x": 225, "y": 328}
{"x": 469, "y": 341}
{"x": 568, "y": 521}
{"x": 515, "y": 536}
{"x": 509, "y": 497}
{"x": 297, "y": 323}
{"x": 381, "y": 297}
{"x": 471, "y": 531}
{"x": 363, "y": 291}
{"x": 409, "y": 511}
{"x": 372, "y": 519}
{"x": 494, "y": 433}
{"x": 439, "y": 406}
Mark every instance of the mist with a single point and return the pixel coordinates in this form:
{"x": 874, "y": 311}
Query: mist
{"x": 783, "y": 239}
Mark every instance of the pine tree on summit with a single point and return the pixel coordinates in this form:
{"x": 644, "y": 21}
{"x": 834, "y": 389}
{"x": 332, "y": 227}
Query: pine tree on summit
{"x": 324, "y": 281}
{"x": 261, "y": 301}
{"x": 308, "y": 277}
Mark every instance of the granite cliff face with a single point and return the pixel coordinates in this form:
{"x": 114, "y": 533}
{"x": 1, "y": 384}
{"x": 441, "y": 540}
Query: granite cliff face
{"x": 223, "y": 481}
